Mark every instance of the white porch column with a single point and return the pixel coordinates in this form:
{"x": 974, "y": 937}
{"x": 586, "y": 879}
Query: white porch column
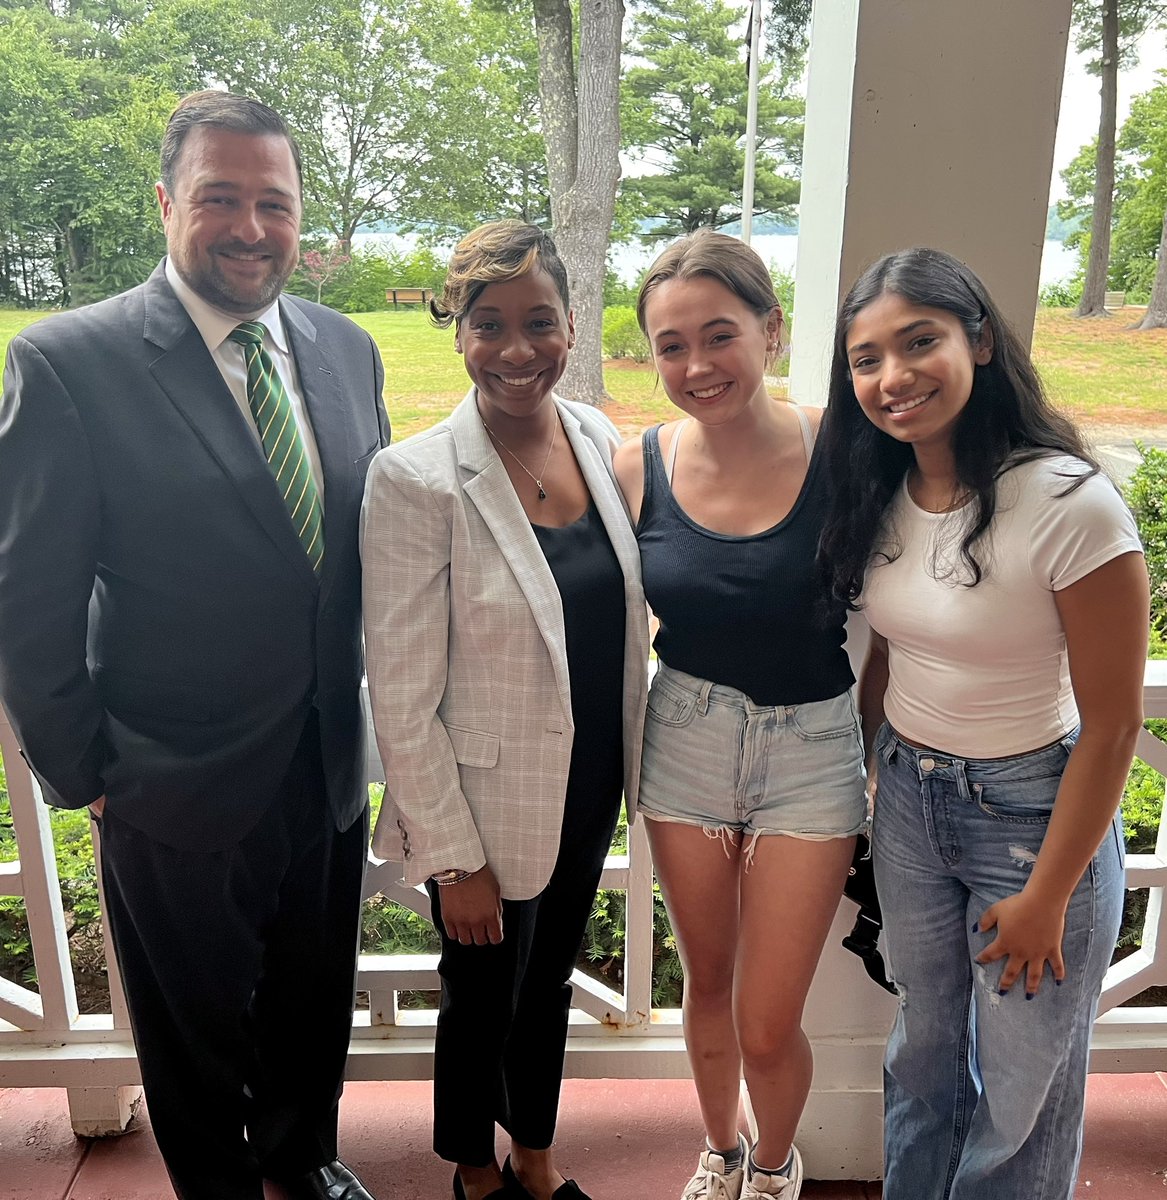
{"x": 929, "y": 122}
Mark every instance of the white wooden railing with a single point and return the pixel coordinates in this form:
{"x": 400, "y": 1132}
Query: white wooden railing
{"x": 44, "y": 1042}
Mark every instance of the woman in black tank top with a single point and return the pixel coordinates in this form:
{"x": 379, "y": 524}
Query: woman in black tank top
{"x": 752, "y": 774}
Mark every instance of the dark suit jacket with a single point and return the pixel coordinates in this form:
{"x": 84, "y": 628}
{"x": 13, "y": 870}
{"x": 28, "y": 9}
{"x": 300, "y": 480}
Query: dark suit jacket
{"x": 162, "y": 634}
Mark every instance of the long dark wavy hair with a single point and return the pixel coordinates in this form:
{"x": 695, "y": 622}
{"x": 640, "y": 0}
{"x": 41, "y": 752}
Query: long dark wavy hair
{"x": 1008, "y": 420}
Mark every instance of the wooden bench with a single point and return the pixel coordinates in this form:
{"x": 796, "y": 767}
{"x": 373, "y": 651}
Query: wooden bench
{"x": 1114, "y": 300}
{"x": 409, "y": 295}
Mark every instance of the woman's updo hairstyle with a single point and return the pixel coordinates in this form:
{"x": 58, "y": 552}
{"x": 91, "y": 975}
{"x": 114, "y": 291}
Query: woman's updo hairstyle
{"x": 723, "y": 258}
{"x": 496, "y": 252}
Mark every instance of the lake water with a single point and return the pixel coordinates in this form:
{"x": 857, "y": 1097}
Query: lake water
{"x": 781, "y": 249}
{"x": 778, "y": 249}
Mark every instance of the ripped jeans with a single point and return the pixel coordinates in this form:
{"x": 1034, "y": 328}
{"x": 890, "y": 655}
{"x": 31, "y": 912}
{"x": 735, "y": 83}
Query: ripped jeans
{"x": 983, "y": 1093}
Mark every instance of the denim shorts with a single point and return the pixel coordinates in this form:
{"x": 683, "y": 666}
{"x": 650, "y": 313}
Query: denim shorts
{"x": 714, "y": 758}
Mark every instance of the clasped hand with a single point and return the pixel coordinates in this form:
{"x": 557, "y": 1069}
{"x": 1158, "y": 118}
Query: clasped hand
{"x": 1029, "y": 934}
{"x": 472, "y": 909}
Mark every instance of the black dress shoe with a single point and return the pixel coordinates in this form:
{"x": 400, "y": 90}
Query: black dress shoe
{"x": 502, "y": 1193}
{"x": 333, "y": 1181}
{"x": 567, "y": 1190}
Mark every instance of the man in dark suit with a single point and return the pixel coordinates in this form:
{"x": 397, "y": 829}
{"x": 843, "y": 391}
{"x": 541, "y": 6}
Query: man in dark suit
{"x": 181, "y": 471}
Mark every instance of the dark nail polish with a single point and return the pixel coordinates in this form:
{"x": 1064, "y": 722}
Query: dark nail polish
{"x": 1002, "y": 991}
{"x": 976, "y": 927}
{"x": 1057, "y": 983}
{"x": 1030, "y": 995}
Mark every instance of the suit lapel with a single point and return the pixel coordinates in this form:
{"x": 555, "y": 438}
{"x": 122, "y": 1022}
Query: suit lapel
{"x": 491, "y": 492}
{"x": 190, "y": 379}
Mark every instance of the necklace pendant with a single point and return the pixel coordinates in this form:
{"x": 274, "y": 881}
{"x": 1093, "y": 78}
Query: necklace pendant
{"x": 542, "y": 493}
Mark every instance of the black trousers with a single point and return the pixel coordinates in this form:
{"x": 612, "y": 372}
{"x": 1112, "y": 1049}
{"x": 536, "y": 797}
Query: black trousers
{"x": 502, "y": 1027}
{"x": 239, "y": 970}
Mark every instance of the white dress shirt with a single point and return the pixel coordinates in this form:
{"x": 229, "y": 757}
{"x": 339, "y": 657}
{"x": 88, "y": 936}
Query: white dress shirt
{"x": 215, "y": 326}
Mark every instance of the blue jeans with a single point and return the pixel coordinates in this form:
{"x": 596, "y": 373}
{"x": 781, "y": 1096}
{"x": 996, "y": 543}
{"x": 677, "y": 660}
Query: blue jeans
{"x": 983, "y": 1093}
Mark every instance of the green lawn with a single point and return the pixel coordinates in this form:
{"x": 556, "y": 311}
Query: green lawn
{"x": 1100, "y": 371}
{"x": 1103, "y": 370}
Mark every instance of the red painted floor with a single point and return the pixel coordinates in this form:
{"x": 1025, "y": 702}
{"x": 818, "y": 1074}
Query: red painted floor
{"x": 622, "y": 1139}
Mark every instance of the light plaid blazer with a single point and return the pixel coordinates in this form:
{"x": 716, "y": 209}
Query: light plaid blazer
{"x": 466, "y": 655}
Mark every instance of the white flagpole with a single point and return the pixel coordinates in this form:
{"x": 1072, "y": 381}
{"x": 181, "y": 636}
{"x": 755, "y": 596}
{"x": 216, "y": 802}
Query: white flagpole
{"x": 751, "y": 121}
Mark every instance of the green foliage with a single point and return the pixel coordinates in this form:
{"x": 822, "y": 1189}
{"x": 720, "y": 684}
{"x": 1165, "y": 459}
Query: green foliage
{"x": 622, "y": 336}
{"x": 1057, "y": 228}
{"x": 617, "y": 292}
{"x": 419, "y": 111}
{"x": 1061, "y": 293}
{"x": 80, "y": 144}
{"x": 1135, "y": 17}
{"x": 604, "y": 947}
{"x": 784, "y": 290}
{"x": 685, "y": 109}
{"x": 604, "y": 943}
{"x": 1140, "y": 196}
{"x": 1146, "y": 493}
{"x": 1142, "y": 800}
{"x": 78, "y": 876}
{"x": 359, "y": 284}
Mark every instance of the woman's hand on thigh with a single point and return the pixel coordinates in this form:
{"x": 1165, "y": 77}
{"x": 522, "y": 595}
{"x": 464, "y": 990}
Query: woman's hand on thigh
{"x": 472, "y": 909}
{"x": 1029, "y": 934}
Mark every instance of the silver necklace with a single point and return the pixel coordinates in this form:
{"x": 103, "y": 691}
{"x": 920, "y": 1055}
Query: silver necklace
{"x": 543, "y": 470}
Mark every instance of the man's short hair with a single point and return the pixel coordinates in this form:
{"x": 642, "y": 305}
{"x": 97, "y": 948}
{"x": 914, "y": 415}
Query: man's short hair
{"x": 220, "y": 110}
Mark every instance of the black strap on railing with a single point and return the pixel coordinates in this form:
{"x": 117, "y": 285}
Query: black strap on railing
{"x": 863, "y": 940}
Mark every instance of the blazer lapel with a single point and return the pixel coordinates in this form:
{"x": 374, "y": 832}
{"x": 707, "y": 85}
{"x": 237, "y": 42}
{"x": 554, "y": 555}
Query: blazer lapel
{"x": 491, "y": 492}
{"x": 190, "y": 378}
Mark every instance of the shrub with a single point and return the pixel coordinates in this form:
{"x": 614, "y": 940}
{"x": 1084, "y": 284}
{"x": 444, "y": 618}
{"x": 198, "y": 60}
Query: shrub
{"x": 622, "y": 336}
{"x": 78, "y": 876}
{"x": 784, "y": 290}
{"x": 1142, "y": 800}
{"x": 1061, "y": 293}
{"x": 605, "y": 938}
{"x": 1146, "y": 493}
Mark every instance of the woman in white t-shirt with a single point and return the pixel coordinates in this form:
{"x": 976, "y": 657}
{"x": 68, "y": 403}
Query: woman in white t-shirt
{"x": 1005, "y": 586}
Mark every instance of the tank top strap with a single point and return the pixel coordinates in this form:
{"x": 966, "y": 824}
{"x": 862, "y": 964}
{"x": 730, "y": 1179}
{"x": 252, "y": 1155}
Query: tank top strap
{"x": 807, "y": 431}
{"x": 654, "y": 479}
{"x": 673, "y": 445}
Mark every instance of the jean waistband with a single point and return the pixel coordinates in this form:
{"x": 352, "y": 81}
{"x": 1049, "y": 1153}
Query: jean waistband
{"x": 706, "y": 690}
{"x": 932, "y": 764}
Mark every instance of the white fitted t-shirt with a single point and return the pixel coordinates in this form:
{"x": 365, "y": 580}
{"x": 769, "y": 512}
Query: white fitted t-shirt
{"x": 981, "y": 672}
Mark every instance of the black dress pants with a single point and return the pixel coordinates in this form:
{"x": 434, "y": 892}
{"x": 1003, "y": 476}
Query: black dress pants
{"x": 239, "y": 970}
{"x": 502, "y": 1027}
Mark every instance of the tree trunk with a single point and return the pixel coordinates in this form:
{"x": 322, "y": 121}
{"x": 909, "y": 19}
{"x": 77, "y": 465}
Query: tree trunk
{"x": 1094, "y": 288}
{"x": 581, "y": 128}
{"x": 1156, "y": 315}
{"x": 557, "y": 98}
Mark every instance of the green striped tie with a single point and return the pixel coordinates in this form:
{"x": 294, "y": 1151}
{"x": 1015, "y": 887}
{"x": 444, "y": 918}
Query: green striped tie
{"x": 272, "y": 410}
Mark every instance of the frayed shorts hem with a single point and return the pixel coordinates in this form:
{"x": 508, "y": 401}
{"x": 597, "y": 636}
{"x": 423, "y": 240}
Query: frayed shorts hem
{"x": 720, "y": 829}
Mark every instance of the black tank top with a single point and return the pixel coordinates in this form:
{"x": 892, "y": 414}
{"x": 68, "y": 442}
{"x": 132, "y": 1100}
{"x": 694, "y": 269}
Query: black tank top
{"x": 747, "y": 612}
{"x": 591, "y": 590}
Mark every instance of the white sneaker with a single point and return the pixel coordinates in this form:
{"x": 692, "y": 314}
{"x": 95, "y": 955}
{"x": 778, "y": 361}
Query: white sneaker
{"x": 758, "y": 1183}
{"x": 713, "y": 1181}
